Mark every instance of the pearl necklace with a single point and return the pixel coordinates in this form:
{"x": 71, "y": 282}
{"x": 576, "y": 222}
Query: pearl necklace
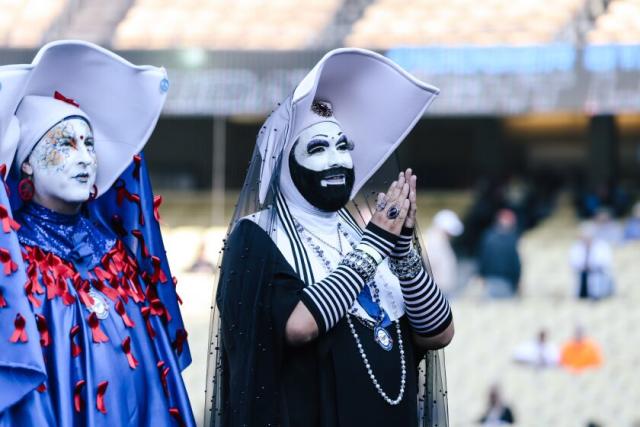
{"x": 403, "y": 368}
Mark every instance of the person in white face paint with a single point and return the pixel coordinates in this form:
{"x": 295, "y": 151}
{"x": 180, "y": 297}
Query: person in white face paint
{"x": 92, "y": 333}
{"x": 323, "y": 313}
{"x": 63, "y": 164}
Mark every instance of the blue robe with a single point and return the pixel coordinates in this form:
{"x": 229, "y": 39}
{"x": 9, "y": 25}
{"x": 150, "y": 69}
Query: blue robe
{"x": 99, "y": 341}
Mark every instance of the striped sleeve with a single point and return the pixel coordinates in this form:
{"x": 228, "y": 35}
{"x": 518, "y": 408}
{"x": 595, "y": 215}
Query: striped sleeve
{"x": 404, "y": 243}
{"x": 426, "y": 307}
{"x": 379, "y": 239}
{"x": 329, "y": 299}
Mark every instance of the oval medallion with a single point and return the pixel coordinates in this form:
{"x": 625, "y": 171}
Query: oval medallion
{"x": 382, "y": 337}
{"x": 100, "y": 305}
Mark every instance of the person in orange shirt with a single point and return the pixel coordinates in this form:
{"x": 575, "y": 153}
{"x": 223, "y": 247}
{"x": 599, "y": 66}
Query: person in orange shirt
{"x": 580, "y": 353}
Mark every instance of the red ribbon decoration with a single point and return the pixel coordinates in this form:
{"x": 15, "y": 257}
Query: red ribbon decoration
{"x": 175, "y": 413}
{"x": 163, "y": 371}
{"x": 181, "y": 338}
{"x": 32, "y": 273}
{"x": 158, "y": 274}
{"x": 42, "y": 388}
{"x": 146, "y": 312}
{"x": 77, "y": 399}
{"x": 96, "y": 332}
{"x": 110, "y": 293}
{"x": 143, "y": 247}
{"x": 60, "y": 97}
{"x": 63, "y": 291}
{"x": 137, "y": 160}
{"x": 8, "y": 223}
{"x": 9, "y": 265}
{"x": 157, "y": 201}
{"x": 45, "y": 338}
{"x": 3, "y": 302}
{"x": 122, "y": 193}
{"x": 102, "y": 389}
{"x": 123, "y": 313}
{"x": 126, "y": 346}
{"x": 28, "y": 290}
{"x": 82, "y": 289}
{"x": 3, "y": 175}
{"x": 158, "y": 309}
{"x": 75, "y": 348}
{"x": 20, "y": 334}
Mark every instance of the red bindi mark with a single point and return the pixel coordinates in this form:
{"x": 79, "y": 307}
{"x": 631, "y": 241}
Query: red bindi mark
{"x": 81, "y": 137}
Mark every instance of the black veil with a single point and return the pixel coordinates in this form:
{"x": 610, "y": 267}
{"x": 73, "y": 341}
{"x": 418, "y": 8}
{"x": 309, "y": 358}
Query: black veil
{"x": 258, "y": 200}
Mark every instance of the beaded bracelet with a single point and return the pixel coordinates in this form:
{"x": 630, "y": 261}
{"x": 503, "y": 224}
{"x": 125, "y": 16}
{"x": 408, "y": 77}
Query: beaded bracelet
{"x": 407, "y": 267}
{"x": 363, "y": 264}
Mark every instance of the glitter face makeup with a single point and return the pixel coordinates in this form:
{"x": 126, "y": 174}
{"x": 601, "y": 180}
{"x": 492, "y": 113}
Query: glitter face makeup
{"x": 63, "y": 164}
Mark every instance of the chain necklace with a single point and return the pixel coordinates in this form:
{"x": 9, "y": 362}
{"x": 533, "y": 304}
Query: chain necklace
{"x": 381, "y": 336}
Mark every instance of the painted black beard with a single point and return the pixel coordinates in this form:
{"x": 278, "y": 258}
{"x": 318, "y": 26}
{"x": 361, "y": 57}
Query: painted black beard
{"x": 308, "y": 182}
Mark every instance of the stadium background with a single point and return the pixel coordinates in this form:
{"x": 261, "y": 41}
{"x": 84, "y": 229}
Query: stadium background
{"x": 542, "y": 93}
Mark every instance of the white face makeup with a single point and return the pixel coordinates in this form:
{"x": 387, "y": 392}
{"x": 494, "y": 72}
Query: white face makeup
{"x": 63, "y": 164}
{"x": 324, "y": 146}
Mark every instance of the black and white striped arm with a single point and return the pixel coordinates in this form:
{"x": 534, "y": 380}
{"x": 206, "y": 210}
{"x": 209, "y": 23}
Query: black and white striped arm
{"x": 329, "y": 299}
{"x": 404, "y": 244}
{"x": 426, "y": 307}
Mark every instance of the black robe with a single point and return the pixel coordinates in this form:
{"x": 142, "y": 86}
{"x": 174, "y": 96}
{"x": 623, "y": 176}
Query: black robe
{"x": 324, "y": 383}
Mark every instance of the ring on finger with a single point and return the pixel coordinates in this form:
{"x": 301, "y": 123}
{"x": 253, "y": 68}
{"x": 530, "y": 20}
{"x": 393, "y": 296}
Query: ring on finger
{"x": 393, "y": 212}
{"x": 381, "y": 204}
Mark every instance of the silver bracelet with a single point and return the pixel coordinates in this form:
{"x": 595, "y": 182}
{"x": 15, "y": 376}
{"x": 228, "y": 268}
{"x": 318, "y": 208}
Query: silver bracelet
{"x": 363, "y": 264}
{"x": 407, "y": 267}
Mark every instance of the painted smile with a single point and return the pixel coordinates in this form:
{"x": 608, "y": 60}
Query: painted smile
{"x": 338, "y": 179}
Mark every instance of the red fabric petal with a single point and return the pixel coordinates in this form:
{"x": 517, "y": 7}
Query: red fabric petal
{"x": 163, "y": 371}
{"x": 77, "y": 399}
{"x": 3, "y": 302}
{"x": 137, "y": 160}
{"x": 109, "y": 292}
{"x": 20, "y": 333}
{"x": 157, "y": 201}
{"x": 143, "y": 247}
{"x": 7, "y": 262}
{"x": 158, "y": 273}
{"x": 126, "y": 346}
{"x": 60, "y": 97}
{"x": 123, "y": 313}
{"x": 102, "y": 389}
{"x": 146, "y": 312}
{"x": 75, "y": 348}
{"x": 175, "y": 413}
{"x": 96, "y": 332}
{"x": 178, "y": 343}
{"x": 8, "y": 223}
{"x": 45, "y": 338}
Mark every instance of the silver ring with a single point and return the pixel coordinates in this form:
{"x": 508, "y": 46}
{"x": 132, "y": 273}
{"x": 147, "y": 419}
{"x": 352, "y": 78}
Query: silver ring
{"x": 381, "y": 205}
{"x": 393, "y": 212}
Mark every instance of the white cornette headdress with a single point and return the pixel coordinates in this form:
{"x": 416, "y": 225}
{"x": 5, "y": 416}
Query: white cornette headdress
{"x": 122, "y": 102}
{"x": 376, "y": 102}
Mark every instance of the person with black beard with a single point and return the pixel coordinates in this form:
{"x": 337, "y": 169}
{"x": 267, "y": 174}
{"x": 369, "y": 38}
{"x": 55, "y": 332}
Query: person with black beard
{"x": 323, "y": 317}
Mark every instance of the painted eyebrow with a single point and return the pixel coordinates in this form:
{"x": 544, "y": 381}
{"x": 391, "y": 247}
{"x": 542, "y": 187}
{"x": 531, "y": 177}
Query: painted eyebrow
{"x": 316, "y": 143}
{"x": 320, "y": 134}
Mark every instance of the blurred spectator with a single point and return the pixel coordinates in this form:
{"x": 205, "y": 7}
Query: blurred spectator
{"x": 632, "y": 227}
{"x": 499, "y": 261}
{"x": 444, "y": 264}
{"x": 497, "y": 413}
{"x": 591, "y": 260}
{"x": 202, "y": 264}
{"x": 538, "y": 353}
{"x": 580, "y": 353}
{"x": 606, "y": 228}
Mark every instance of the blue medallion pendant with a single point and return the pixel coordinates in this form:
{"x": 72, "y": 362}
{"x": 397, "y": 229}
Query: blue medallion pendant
{"x": 382, "y": 337}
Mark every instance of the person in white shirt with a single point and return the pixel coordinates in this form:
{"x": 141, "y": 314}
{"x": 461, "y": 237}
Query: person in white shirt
{"x": 538, "y": 353}
{"x": 442, "y": 258}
